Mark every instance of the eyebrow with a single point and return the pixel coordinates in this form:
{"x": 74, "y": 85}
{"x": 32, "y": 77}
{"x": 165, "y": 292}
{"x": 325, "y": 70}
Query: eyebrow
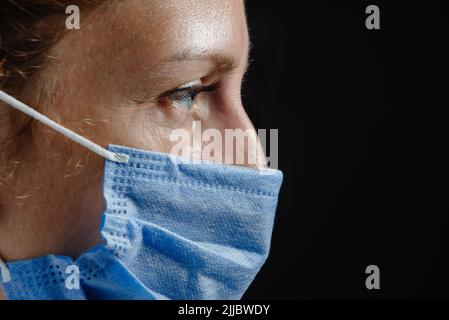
{"x": 224, "y": 64}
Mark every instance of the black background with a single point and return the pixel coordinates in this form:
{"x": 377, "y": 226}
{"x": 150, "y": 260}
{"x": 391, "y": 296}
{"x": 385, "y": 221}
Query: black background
{"x": 363, "y": 140}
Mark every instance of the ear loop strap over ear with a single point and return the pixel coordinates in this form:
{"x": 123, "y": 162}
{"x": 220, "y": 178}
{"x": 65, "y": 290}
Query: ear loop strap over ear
{"x": 13, "y": 102}
{"x": 4, "y": 272}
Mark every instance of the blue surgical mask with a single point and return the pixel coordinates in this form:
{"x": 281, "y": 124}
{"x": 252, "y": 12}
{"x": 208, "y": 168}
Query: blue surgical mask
{"x": 173, "y": 229}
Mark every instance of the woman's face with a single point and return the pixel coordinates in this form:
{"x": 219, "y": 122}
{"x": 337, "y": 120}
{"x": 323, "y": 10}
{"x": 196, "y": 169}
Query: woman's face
{"x": 114, "y": 81}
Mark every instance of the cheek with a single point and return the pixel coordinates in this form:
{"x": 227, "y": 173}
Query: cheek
{"x": 203, "y": 110}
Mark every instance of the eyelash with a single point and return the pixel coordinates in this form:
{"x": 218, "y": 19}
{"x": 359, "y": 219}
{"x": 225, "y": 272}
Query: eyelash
{"x": 188, "y": 94}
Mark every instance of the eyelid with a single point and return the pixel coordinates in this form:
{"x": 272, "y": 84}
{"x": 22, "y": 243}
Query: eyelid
{"x": 189, "y": 85}
{"x": 195, "y": 83}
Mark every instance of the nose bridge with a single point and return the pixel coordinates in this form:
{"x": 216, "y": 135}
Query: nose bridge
{"x": 240, "y": 139}
{"x": 234, "y": 116}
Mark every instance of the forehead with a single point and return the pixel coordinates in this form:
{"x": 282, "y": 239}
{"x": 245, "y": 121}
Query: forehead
{"x": 135, "y": 48}
{"x": 170, "y": 28}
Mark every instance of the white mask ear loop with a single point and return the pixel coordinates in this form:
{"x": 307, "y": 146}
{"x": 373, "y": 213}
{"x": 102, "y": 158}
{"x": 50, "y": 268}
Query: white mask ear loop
{"x": 4, "y": 272}
{"x": 13, "y": 102}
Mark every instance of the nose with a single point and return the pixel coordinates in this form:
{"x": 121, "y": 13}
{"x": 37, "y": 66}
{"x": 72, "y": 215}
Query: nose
{"x": 240, "y": 144}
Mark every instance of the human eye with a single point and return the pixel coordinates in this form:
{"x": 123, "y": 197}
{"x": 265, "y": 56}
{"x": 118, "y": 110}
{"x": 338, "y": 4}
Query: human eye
{"x": 184, "y": 97}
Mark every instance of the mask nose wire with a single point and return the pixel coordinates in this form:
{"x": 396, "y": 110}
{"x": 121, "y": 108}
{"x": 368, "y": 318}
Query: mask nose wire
{"x": 13, "y": 102}
{"x": 4, "y": 272}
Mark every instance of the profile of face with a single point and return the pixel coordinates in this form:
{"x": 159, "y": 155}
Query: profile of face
{"x": 134, "y": 72}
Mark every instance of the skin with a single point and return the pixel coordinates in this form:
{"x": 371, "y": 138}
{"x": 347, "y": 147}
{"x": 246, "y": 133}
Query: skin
{"x": 103, "y": 82}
